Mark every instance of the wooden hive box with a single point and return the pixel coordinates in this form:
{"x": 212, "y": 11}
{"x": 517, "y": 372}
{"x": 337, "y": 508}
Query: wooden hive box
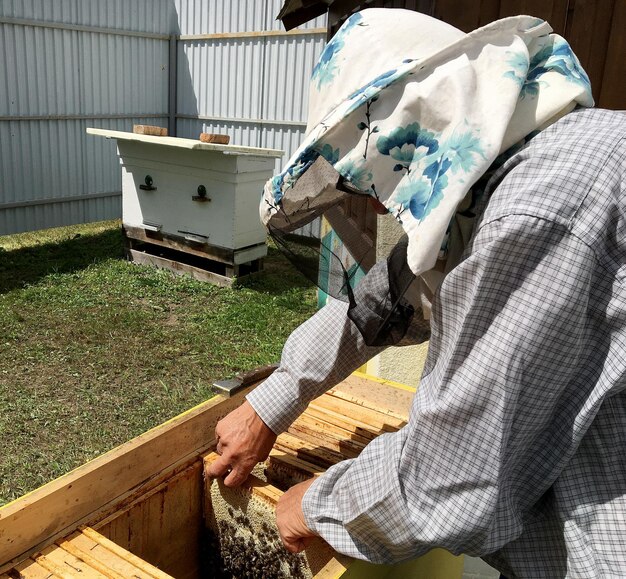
{"x": 192, "y": 207}
{"x": 144, "y": 509}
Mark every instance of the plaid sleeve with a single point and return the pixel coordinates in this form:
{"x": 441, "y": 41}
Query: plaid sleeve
{"x": 323, "y": 351}
{"x": 318, "y": 354}
{"x": 509, "y": 332}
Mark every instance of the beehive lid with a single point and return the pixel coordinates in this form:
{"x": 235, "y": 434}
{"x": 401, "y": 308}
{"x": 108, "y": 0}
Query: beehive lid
{"x": 180, "y": 143}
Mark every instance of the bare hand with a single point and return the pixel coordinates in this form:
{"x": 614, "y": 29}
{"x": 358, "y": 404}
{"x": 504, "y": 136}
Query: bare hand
{"x": 243, "y": 440}
{"x": 290, "y": 519}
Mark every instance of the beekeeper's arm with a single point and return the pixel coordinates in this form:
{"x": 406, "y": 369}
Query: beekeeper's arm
{"x": 319, "y": 354}
{"x": 511, "y": 325}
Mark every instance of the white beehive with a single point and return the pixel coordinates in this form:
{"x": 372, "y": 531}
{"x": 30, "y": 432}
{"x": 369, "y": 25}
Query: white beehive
{"x": 204, "y": 194}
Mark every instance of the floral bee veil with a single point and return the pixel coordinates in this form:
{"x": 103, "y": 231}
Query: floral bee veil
{"x": 411, "y": 112}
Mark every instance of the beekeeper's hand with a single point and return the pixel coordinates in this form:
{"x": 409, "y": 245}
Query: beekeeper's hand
{"x": 243, "y": 439}
{"x": 293, "y": 530}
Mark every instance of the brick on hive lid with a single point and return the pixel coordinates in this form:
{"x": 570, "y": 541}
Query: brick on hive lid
{"x": 150, "y": 130}
{"x": 215, "y": 138}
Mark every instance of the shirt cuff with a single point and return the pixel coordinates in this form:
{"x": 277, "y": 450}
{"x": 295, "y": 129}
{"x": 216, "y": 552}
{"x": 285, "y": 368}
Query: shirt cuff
{"x": 273, "y": 402}
{"x": 315, "y": 501}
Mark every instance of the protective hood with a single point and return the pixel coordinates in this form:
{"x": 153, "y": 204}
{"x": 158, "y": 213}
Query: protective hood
{"x": 412, "y": 112}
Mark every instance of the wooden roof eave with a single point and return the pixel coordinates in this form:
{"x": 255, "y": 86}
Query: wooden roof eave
{"x": 297, "y": 12}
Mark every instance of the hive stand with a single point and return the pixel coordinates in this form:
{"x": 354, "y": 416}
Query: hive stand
{"x": 183, "y": 257}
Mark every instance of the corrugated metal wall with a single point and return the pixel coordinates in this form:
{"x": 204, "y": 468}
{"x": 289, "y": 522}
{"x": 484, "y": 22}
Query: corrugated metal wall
{"x": 246, "y": 77}
{"x": 70, "y": 64}
{"x": 67, "y": 65}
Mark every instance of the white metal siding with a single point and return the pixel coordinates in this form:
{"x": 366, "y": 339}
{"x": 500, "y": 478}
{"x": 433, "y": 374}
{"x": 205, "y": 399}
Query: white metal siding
{"x": 219, "y": 16}
{"x": 67, "y": 65}
{"x": 253, "y": 88}
{"x": 52, "y": 72}
{"x": 214, "y": 16}
{"x": 225, "y": 78}
{"x": 153, "y": 16}
{"x": 53, "y": 174}
{"x": 70, "y": 64}
{"x": 289, "y": 62}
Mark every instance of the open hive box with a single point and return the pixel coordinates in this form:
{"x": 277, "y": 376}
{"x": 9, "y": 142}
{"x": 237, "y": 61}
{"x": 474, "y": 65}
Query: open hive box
{"x": 145, "y": 509}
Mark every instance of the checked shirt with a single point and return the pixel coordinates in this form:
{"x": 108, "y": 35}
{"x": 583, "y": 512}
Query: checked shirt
{"x": 515, "y": 449}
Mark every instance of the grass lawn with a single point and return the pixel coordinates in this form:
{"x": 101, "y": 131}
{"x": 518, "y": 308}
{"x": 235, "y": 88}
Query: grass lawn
{"x": 95, "y": 350}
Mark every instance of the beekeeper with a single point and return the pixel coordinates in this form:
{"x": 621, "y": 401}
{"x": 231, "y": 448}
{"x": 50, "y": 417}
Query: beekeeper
{"x": 510, "y": 188}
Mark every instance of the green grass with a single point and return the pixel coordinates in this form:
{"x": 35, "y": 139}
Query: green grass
{"x": 95, "y": 350}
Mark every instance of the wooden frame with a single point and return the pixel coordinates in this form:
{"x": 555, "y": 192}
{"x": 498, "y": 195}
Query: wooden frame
{"x": 144, "y": 502}
{"x": 91, "y": 492}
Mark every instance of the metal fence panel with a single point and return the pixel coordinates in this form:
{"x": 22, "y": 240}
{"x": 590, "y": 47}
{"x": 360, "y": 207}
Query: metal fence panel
{"x": 218, "y": 16}
{"x": 224, "y": 80}
{"x": 209, "y": 17}
{"x": 155, "y": 16}
{"x": 51, "y": 72}
{"x": 53, "y": 174}
{"x": 65, "y": 11}
{"x": 69, "y": 64}
{"x": 123, "y": 74}
{"x": 252, "y": 86}
{"x": 39, "y": 72}
{"x": 289, "y": 62}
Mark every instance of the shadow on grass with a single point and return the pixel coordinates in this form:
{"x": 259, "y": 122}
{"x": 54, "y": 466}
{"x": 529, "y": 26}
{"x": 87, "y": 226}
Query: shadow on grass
{"x": 27, "y": 265}
{"x": 280, "y": 275}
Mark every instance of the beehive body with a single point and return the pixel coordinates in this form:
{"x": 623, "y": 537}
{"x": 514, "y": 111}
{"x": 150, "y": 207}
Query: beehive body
{"x": 242, "y": 521}
{"x": 149, "y": 499}
{"x": 161, "y": 181}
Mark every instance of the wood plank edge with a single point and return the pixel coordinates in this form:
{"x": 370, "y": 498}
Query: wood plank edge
{"x": 384, "y": 381}
{"x": 89, "y": 560}
{"x": 48, "y": 492}
{"x": 51, "y": 566}
{"x": 152, "y": 487}
{"x": 124, "y": 554}
{"x": 179, "y": 268}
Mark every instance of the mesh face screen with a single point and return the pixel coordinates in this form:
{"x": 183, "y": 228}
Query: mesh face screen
{"x": 376, "y": 303}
